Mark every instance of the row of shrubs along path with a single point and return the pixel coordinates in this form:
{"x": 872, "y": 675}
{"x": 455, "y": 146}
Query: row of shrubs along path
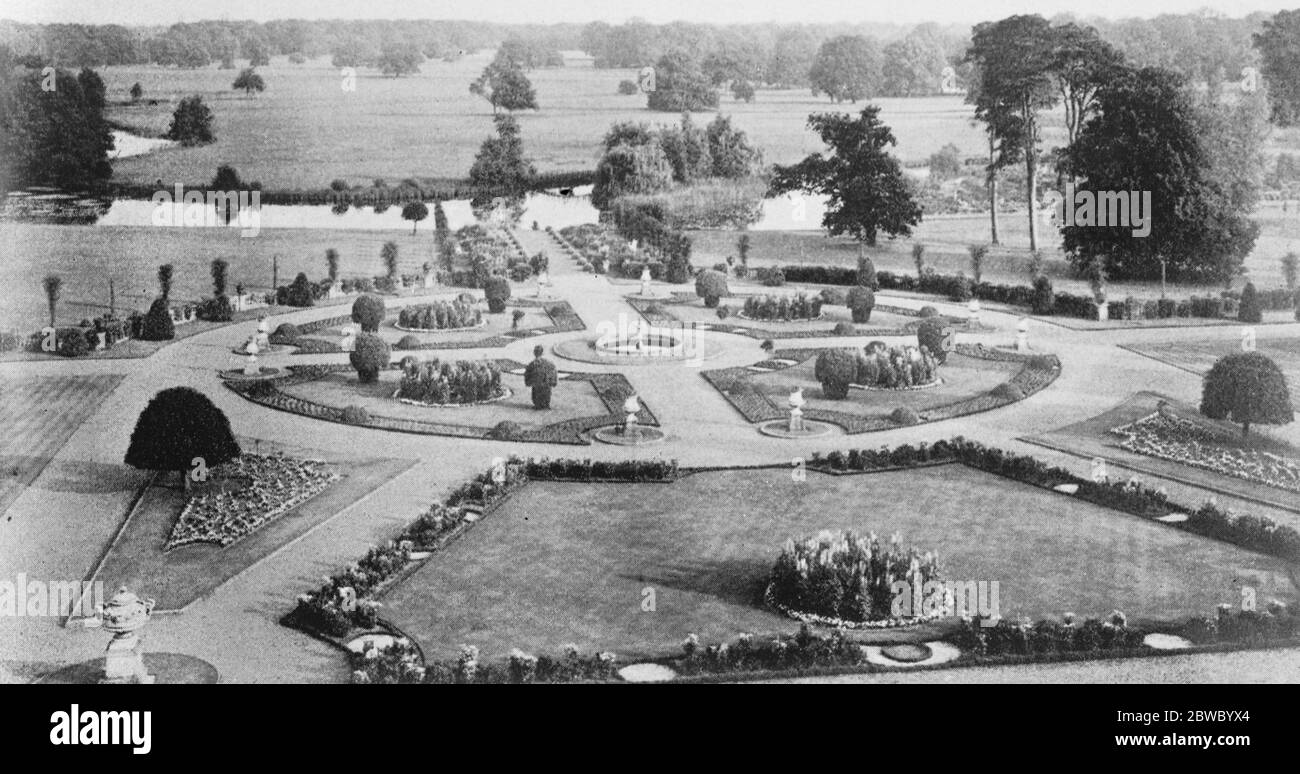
{"x": 236, "y": 628}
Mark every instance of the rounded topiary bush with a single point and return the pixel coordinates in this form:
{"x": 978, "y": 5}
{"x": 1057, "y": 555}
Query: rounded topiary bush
{"x": 356, "y": 415}
{"x": 1008, "y": 391}
{"x": 845, "y": 329}
{"x": 71, "y": 342}
{"x": 860, "y": 300}
{"x": 1249, "y": 309}
{"x": 711, "y": 285}
{"x": 505, "y": 431}
{"x": 904, "y": 415}
{"x": 497, "y": 290}
{"x": 1043, "y": 300}
{"x": 178, "y": 425}
{"x": 157, "y": 324}
{"x": 836, "y": 369}
{"x": 410, "y": 361}
{"x": 370, "y": 357}
{"x": 929, "y": 311}
{"x": 285, "y": 333}
{"x": 368, "y": 312}
{"x": 932, "y": 334}
{"x": 1247, "y": 388}
{"x": 409, "y": 341}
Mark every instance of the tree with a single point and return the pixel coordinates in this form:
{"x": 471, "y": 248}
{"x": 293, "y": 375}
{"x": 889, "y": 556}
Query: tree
{"x": 687, "y": 150}
{"x": 179, "y": 430}
{"x": 370, "y": 355}
{"x": 399, "y": 59}
{"x": 137, "y": 91}
{"x": 742, "y": 90}
{"x": 1247, "y": 388}
{"x": 258, "y": 55}
{"x": 500, "y": 164}
{"x": 388, "y": 254}
{"x": 368, "y": 312}
{"x": 52, "y": 285}
{"x": 1146, "y": 137}
{"x": 861, "y": 300}
{"x": 1248, "y": 310}
{"x": 165, "y": 273}
{"x": 863, "y": 183}
{"x": 847, "y": 67}
{"x": 415, "y": 212}
{"x": 1014, "y": 58}
{"x": 249, "y": 81}
{"x": 53, "y": 137}
{"x": 332, "y": 264}
{"x": 681, "y": 85}
{"x": 913, "y": 66}
{"x": 1081, "y": 63}
{"x": 220, "y": 269}
{"x": 504, "y": 85}
{"x": 630, "y": 169}
{"x": 793, "y": 53}
{"x": 945, "y": 164}
{"x": 729, "y": 149}
{"x": 191, "y": 123}
{"x": 1279, "y": 48}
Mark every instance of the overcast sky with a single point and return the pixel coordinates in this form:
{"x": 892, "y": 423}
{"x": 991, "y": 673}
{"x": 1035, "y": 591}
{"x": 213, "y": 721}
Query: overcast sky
{"x": 163, "y": 12}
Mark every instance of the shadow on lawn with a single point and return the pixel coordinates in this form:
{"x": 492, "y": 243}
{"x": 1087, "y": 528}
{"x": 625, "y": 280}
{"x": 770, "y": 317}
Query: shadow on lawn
{"x": 737, "y": 581}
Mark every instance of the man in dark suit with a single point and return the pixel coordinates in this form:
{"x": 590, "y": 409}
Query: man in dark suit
{"x": 541, "y": 376}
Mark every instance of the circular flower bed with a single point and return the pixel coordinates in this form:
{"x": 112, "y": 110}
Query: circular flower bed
{"x": 462, "y": 383}
{"x": 439, "y": 316}
{"x": 896, "y": 368}
{"x": 845, "y": 580}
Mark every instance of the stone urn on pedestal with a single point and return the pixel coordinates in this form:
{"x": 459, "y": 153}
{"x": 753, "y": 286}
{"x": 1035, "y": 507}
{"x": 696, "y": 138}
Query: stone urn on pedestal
{"x": 645, "y": 282}
{"x": 974, "y": 308}
{"x": 251, "y": 368}
{"x": 796, "y": 402}
{"x": 263, "y": 334}
{"x": 1022, "y": 335}
{"x": 631, "y": 407}
{"x": 124, "y": 616}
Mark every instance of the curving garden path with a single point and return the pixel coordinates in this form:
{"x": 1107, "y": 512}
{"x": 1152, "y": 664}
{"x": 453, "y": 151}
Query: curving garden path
{"x": 51, "y": 531}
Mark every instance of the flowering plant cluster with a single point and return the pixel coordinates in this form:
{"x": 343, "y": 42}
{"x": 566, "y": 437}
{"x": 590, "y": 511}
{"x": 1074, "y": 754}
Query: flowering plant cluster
{"x": 1184, "y": 441}
{"x": 438, "y": 383}
{"x": 846, "y": 576}
{"x": 800, "y": 306}
{"x": 748, "y": 653}
{"x": 275, "y": 484}
{"x": 398, "y": 663}
{"x": 1025, "y": 637}
{"x": 602, "y": 247}
{"x": 440, "y": 315}
{"x": 896, "y": 368}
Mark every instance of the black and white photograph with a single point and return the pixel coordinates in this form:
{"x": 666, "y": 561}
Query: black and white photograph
{"x": 624, "y": 343}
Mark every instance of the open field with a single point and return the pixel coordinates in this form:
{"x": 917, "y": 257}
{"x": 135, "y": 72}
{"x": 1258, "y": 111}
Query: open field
{"x": 570, "y": 562}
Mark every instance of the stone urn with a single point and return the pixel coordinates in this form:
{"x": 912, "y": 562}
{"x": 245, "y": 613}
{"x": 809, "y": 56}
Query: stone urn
{"x": 645, "y": 281}
{"x": 263, "y": 334}
{"x": 631, "y": 407}
{"x": 1022, "y": 334}
{"x": 251, "y": 368}
{"x": 796, "y": 402}
{"x": 124, "y": 616}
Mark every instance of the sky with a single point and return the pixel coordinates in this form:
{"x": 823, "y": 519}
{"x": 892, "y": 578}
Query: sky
{"x": 164, "y": 12}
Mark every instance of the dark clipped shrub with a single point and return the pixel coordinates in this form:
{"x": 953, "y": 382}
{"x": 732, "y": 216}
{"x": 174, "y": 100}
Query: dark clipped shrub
{"x": 904, "y": 415}
{"x": 860, "y": 300}
{"x": 71, "y": 342}
{"x": 1008, "y": 391}
{"x": 771, "y": 277}
{"x": 301, "y": 292}
{"x": 368, "y": 312}
{"x": 929, "y": 311}
{"x": 1044, "y": 300}
{"x": 370, "y": 357}
{"x": 866, "y": 276}
{"x": 497, "y": 290}
{"x": 930, "y": 334}
{"x": 285, "y": 333}
{"x": 356, "y": 415}
{"x": 1165, "y": 308}
{"x": 868, "y": 370}
{"x": 836, "y": 369}
{"x": 409, "y": 341}
{"x": 1249, "y": 310}
{"x": 157, "y": 324}
{"x": 1247, "y": 388}
{"x": 960, "y": 290}
{"x": 845, "y": 329}
{"x": 711, "y": 285}
{"x": 178, "y": 425}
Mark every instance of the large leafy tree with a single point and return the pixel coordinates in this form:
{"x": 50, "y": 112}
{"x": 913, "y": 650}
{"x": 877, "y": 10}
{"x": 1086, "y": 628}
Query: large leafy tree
{"x": 913, "y": 66}
{"x": 864, "y": 185}
{"x": 1279, "y": 47}
{"x": 181, "y": 425}
{"x": 847, "y": 69}
{"x": 1146, "y": 138}
{"x": 681, "y": 85}
{"x": 793, "y": 53}
{"x": 191, "y": 123}
{"x": 1248, "y": 388}
{"x": 249, "y": 81}
{"x": 1081, "y": 64}
{"x": 55, "y": 137}
{"x": 500, "y": 164}
{"x": 1014, "y": 59}
{"x": 400, "y": 58}
{"x": 504, "y": 84}
{"x": 729, "y": 148}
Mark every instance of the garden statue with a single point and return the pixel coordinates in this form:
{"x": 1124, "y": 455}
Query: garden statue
{"x": 796, "y": 402}
{"x": 124, "y": 616}
{"x": 251, "y": 368}
{"x": 1247, "y": 339}
{"x": 974, "y": 308}
{"x": 631, "y": 407}
{"x": 542, "y": 377}
{"x": 349, "y": 342}
{"x": 1022, "y": 334}
{"x": 645, "y": 281}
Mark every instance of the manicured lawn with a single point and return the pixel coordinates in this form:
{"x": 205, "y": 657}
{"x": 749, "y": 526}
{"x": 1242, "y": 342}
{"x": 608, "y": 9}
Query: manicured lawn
{"x": 562, "y": 562}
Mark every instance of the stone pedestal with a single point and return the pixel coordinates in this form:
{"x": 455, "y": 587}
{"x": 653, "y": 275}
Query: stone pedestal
{"x": 631, "y": 407}
{"x": 796, "y": 403}
{"x": 1103, "y": 312}
{"x": 1022, "y": 335}
{"x": 124, "y": 662}
{"x": 974, "y": 308}
{"x": 251, "y": 368}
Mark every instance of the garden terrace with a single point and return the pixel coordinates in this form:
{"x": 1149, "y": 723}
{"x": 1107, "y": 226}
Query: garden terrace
{"x": 582, "y": 402}
{"x": 971, "y": 382}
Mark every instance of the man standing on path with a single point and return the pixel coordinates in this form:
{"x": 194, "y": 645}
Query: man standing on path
{"x": 541, "y": 376}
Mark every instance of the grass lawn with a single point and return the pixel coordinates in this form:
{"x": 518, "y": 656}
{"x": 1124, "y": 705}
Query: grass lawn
{"x": 39, "y": 415}
{"x": 178, "y": 577}
{"x": 563, "y": 562}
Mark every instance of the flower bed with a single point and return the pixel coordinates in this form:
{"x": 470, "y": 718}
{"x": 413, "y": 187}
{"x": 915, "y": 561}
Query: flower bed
{"x": 439, "y": 316}
{"x": 436, "y": 383}
{"x": 799, "y": 308}
{"x": 896, "y": 368}
{"x": 275, "y": 485}
{"x": 1189, "y": 443}
{"x": 843, "y": 579}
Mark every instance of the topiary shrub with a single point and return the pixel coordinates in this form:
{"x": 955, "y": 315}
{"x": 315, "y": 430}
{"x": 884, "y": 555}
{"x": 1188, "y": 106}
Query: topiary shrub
{"x": 505, "y": 431}
{"x": 724, "y": 312}
{"x": 409, "y": 341}
{"x": 845, "y": 329}
{"x": 711, "y": 285}
{"x": 836, "y": 369}
{"x": 301, "y": 292}
{"x": 866, "y": 276}
{"x": 1043, "y": 300}
{"x": 368, "y": 312}
{"x": 71, "y": 342}
{"x": 157, "y": 324}
{"x": 497, "y": 290}
{"x": 860, "y": 300}
{"x": 931, "y": 334}
{"x": 905, "y": 415}
{"x": 832, "y": 297}
{"x": 356, "y": 415}
{"x": 1247, "y": 388}
{"x": 285, "y": 333}
{"x": 1249, "y": 309}
{"x": 1008, "y": 391}
{"x": 177, "y": 426}
{"x": 929, "y": 311}
{"x": 370, "y": 357}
